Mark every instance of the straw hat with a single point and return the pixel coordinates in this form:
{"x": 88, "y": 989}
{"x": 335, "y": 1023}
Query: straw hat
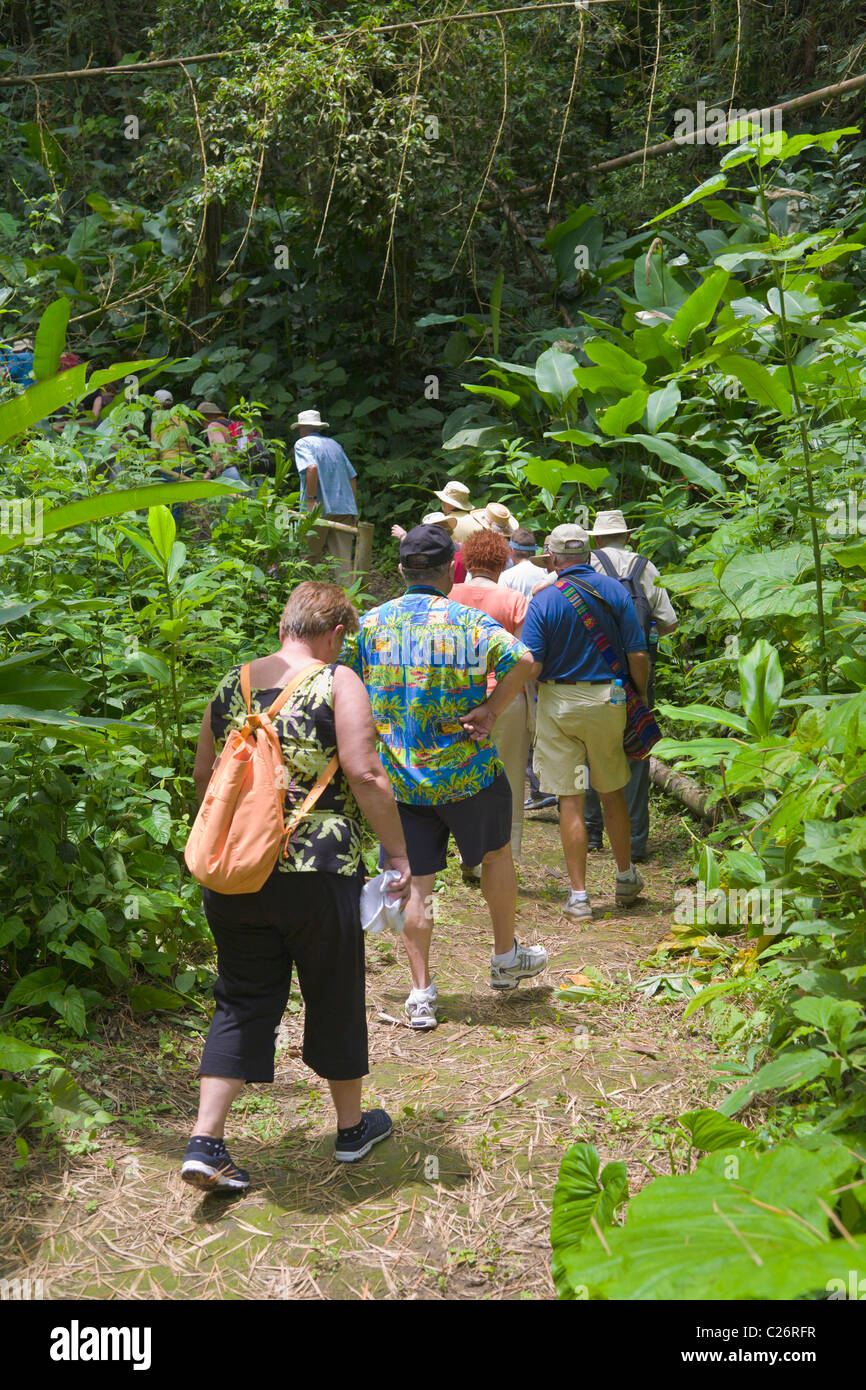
{"x": 610, "y": 524}
{"x": 439, "y": 519}
{"x": 496, "y": 517}
{"x": 312, "y": 419}
{"x": 208, "y": 408}
{"x": 456, "y": 495}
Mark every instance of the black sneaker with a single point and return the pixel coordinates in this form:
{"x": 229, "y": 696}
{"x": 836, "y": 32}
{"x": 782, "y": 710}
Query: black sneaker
{"x": 207, "y": 1164}
{"x": 594, "y": 844}
{"x": 376, "y": 1127}
{"x": 538, "y": 803}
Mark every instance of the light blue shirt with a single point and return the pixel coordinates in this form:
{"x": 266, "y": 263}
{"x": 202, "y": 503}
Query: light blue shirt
{"x": 334, "y": 491}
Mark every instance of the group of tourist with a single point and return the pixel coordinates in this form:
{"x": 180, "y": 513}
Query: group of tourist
{"x": 431, "y": 701}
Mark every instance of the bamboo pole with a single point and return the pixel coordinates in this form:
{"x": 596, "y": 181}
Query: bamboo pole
{"x": 364, "y": 547}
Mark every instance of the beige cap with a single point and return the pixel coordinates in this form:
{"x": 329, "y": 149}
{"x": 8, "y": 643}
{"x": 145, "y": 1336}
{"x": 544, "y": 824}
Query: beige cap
{"x": 456, "y": 495}
{"x": 567, "y": 540}
{"x": 439, "y": 519}
{"x": 610, "y": 524}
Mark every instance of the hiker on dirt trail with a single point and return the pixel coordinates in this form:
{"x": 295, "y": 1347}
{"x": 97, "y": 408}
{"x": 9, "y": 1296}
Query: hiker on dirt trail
{"x": 545, "y": 574}
{"x": 329, "y": 481}
{"x": 308, "y": 911}
{"x": 485, "y": 555}
{"x": 611, "y": 556}
{"x": 455, "y": 501}
{"x": 576, "y": 721}
{"x": 170, "y": 437}
{"x": 425, "y": 662}
{"x": 218, "y": 430}
{"x": 522, "y": 575}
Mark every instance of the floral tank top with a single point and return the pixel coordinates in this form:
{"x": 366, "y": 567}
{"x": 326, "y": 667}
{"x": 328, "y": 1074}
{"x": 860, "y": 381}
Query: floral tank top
{"x": 328, "y": 839}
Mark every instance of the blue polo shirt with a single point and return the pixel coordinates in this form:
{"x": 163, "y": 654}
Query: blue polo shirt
{"x": 554, "y": 633}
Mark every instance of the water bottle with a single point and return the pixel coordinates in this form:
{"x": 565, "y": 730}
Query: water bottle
{"x": 617, "y": 693}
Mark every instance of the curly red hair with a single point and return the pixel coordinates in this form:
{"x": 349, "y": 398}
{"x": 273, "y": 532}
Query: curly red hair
{"x": 485, "y": 550}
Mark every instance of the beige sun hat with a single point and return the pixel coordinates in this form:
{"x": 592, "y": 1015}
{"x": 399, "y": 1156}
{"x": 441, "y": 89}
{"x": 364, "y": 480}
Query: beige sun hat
{"x": 208, "y": 408}
{"x": 568, "y": 540}
{"x": 456, "y": 495}
{"x": 496, "y": 517}
{"x": 312, "y": 419}
{"x": 610, "y": 524}
{"x": 439, "y": 519}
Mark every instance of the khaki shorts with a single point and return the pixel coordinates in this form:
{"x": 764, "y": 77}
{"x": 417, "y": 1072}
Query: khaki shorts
{"x": 576, "y": 725}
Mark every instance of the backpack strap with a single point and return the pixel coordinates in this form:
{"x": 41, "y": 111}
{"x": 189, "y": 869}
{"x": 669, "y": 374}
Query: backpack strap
{"x": 287, "y": 690}
{"x": 606, "y": 563}
{"x": 308, "y": 803}
{"x": 637, "y": 569}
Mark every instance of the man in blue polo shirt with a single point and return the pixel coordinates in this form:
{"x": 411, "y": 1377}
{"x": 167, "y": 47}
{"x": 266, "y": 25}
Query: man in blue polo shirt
{"x": 576, "y": 723}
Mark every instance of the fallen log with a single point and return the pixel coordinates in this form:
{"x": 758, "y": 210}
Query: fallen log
{"x": 683, "y": 789}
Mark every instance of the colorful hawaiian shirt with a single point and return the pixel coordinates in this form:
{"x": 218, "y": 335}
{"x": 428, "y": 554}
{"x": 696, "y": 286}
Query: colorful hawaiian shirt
{"x": 425, "y": 661}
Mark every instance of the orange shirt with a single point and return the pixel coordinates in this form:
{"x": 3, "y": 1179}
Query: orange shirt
{"x": 506, "y": 607}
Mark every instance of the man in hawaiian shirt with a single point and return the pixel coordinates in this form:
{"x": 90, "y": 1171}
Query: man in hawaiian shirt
{"x": 425, "y": 661}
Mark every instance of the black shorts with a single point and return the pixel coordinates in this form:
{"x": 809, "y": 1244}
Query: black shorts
{"x": 479, "y": 824}
{"x": 311, "y": 920}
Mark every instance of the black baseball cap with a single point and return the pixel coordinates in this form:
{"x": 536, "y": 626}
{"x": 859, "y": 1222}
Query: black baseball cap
{"x": 426, "y": 548}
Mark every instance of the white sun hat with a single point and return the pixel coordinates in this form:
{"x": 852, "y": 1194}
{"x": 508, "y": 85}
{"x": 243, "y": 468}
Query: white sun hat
{"x": 312, "y": 419}
{"x": 439, "y": 519}
{"x": 456, "y": 495}
{"x": 610, "y": 524}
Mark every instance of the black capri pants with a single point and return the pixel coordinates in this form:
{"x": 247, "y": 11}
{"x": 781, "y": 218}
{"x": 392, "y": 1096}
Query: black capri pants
{"x": 312, "y": 921}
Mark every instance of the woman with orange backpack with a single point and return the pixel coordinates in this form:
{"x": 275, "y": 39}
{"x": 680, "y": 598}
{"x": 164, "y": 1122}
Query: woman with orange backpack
{"x": 284, "y": 895}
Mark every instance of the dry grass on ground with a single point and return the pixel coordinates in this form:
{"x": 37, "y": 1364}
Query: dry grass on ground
{"x": 457, "y": 1203}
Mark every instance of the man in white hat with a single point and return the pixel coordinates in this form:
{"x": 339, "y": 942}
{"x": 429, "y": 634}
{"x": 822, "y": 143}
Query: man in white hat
{"x": 577, "y": 722}
{"x": 496, "y": 517}
{"x": 329, "y": 481}
{"x": 455, "y": 501}
{"x": 431, "y": 519}
{"x": 611, "y": 556}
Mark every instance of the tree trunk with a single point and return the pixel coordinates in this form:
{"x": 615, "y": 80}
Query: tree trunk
{"x": 683, "y": 789}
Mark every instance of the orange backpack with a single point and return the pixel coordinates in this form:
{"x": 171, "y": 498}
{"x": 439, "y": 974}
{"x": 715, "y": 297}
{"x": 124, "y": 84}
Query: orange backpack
{"x": 234, "y": 843}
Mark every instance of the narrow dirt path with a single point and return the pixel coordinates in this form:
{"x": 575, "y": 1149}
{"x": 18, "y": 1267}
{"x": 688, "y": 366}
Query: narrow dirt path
{"x": 457, "y": 1203}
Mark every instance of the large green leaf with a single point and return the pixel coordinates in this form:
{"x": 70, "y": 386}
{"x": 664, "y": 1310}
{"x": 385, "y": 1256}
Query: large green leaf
{"x": 699, "y": 308}
{"x": 743, "y": 1225}
{"x": 761, "y": 685}
{"x": 761, "y": 385}
{"x": 705, "y": 714}
{"x": 786, "y": 1072}
{"x": 50, "y": 339}
{"x": 23, "y": 411}
{"x": 711, "y": 1131}
{"x": 627, "y": 410}
{"x": 581, "y": 1196}
{"x": 691, "y": 467}
{"x": 662, "y": 405}
{"x": 712, "y": 185}
{"x": 554, "y": 375}
{"x": 40, "y": 687}
{"x": 550, "y": 474}
{"x": 105, "y": 504}
{"x": 16, "y": 1055}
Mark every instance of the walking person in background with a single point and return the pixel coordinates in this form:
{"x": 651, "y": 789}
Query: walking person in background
{"x": 485, "y": 556}
{"x": 455, "y": 502}
{"x": 655, "y": 613}
{"x": 577, "y": 723}
{"x": 218, "y": 432}
{"x": 328, "y": 481}
{"x": 307, "y": 914}
{"x": 522, "y": 575}
{"x": 425, "y": 662}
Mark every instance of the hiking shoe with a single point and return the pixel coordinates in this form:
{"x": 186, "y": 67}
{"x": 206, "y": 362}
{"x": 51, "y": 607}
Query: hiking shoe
{"x": 208, "y": 1165}
{"x": 528, "y": 961}
{"x": 578, "y": 908}
{"x": 628, "y": 887}
{"x": 374, "y": 1127}
{"x": 593, "y": 844}
{"x": 538, "y": 803}
{"x": 471, "y": 874}
{"x": 420, "y": 1008}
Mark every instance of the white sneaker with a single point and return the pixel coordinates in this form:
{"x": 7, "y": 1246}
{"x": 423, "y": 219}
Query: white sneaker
{"x": 420, "y": 1008}
{"x": 577, "y": 908}
{"x": 628, "y": 888}
{"x": 528, "y": 961}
